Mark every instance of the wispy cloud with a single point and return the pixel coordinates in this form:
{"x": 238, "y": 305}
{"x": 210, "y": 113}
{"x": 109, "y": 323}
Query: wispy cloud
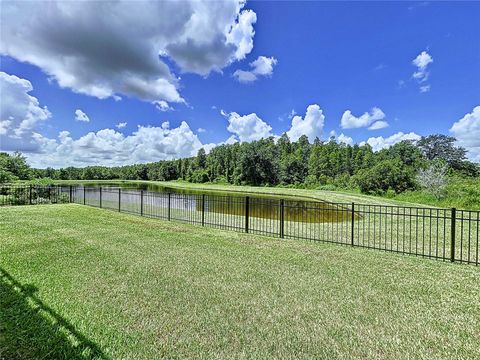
{"x": 422, "y": 74}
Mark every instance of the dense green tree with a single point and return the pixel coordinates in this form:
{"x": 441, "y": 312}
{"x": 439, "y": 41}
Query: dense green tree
{"x": 387, "y": 174}
{"x": 15, "y": 165}
{"x": 441, "y": 147}
{"x": 279, "y": 161}
{"x": 201, "y": 159}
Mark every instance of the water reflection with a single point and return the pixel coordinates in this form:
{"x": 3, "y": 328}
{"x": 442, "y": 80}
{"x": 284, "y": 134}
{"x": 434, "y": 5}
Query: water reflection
{"x": 231, "y": 203}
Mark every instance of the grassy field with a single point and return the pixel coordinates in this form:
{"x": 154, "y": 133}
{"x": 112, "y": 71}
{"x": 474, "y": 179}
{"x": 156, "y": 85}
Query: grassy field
{"x": 461, "y": 193}
{"x": 80, "y": 282}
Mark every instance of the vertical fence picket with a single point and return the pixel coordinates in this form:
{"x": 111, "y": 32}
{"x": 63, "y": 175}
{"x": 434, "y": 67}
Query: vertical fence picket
{"x": 282, "y": 218}
{"x": 203, "y": 209}
{"x": 169, "y": 200}
{"x": 353, "y": 223}
{"x": 453, "y": 224}
{"x": 247, "y": 202}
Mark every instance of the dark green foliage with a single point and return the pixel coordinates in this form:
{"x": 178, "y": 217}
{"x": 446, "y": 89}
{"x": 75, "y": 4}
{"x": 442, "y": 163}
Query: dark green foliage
{"x": 387, "y": 174}
{"x": 257, "y": 163}
{"x": 14, "y": 167}
{"x": 407, "y": 152}
{"x": 321, "y": 165}
{"x": 199, "y": 176}
{"x": 441, "y": 147}
{"x": 201, "y": 160}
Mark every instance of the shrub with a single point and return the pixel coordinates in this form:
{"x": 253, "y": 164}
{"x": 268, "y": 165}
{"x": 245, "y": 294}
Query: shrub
{"x": 327, "y": 187}
{"x": 6, "y": 177}
{"x": 199, "y": 176}
{"x": 387, "y": 174}
{"x": 434, "y": 179}
{"x": 220, "y": 180}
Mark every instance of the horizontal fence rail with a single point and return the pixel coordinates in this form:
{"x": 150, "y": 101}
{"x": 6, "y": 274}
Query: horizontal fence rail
{"x": 445, "y": 234}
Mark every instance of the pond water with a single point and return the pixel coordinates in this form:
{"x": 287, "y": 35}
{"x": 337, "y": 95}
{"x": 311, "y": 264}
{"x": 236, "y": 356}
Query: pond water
{"x": 262, "y": 206}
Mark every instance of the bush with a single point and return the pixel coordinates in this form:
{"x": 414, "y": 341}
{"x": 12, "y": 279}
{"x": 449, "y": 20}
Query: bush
{"x": 199, "y": 176}
{"x": 6, "y": 177}
{"x": 311, "y": 182}
{"x": 342, "y": 181}
{"x": 434, "y": 179}
{"x": 390, "y": 194}
{"x": 387, "y": 174}
{"x": 220, "y": 180}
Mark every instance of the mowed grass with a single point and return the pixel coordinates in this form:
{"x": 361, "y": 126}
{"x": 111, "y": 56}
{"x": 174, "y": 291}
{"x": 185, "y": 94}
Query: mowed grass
{"x": 81, "y": 282}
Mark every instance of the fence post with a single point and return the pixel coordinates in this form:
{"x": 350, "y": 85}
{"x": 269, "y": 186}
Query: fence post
{"x": 203, "y": 209}
{"x": 169, "y": 199}
{"x": 141, "y": 202}
{"x": 119, "y": 199}
{"x": 353, "y": 221}
{"x": 71, "y": 193}
{"x": 100, "y": 197}
{"x": 453, "y": 223}
{"x": 282, "y": 218}
{"x": 84, "y": 191}
{"x": 247, "y": 205}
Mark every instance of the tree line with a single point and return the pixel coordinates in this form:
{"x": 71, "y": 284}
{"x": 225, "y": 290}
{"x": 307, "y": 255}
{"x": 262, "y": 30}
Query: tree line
{"x": 323, "y": 164}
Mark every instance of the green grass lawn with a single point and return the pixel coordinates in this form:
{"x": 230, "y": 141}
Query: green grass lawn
{"x": 81, "y": 282}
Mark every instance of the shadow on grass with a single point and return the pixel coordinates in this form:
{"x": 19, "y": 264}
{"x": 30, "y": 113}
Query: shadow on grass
{"x": 30, "y": 329}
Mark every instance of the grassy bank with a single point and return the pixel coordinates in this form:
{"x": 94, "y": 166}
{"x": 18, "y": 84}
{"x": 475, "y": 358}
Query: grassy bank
{"x": 460, "y": 193}
{"x": 83, "y": 282}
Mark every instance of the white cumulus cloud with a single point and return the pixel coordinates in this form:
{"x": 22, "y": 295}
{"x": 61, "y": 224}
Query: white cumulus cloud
{"x": 248, "y": 127}
{"x": 377, "y": 125}
{"x": 342, "y": 138}
{"x": 345, "y": 139}
{"x": 112, "y": 48}
{"x": 467, "y": 132}
{"x": 121, "y": 125}
{"x": 310, "y": 125}
{"x": 109, "y": 147}
{"x": 20, "y": 114}
{"x": 262, "y": 66}
{"x": 379, "y": 143}
{"x": 368, "y": 119}
{"x": 81, "y": 116}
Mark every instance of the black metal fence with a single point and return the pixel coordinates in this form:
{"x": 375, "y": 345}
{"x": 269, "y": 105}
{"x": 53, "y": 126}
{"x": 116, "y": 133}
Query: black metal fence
{"x": 34, "y": 194}
{"x": 446, "y": 234}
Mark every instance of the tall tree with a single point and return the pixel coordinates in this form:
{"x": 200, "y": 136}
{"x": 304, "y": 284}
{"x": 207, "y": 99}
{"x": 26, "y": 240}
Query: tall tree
{"x": 441, "y": 147}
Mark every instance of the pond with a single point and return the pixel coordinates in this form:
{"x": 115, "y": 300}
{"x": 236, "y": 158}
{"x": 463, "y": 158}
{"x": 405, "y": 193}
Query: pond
{"x": 262, "y": 206}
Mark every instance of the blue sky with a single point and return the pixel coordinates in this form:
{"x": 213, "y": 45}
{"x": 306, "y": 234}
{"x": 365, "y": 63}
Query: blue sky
{"x": 339, "y": 56}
